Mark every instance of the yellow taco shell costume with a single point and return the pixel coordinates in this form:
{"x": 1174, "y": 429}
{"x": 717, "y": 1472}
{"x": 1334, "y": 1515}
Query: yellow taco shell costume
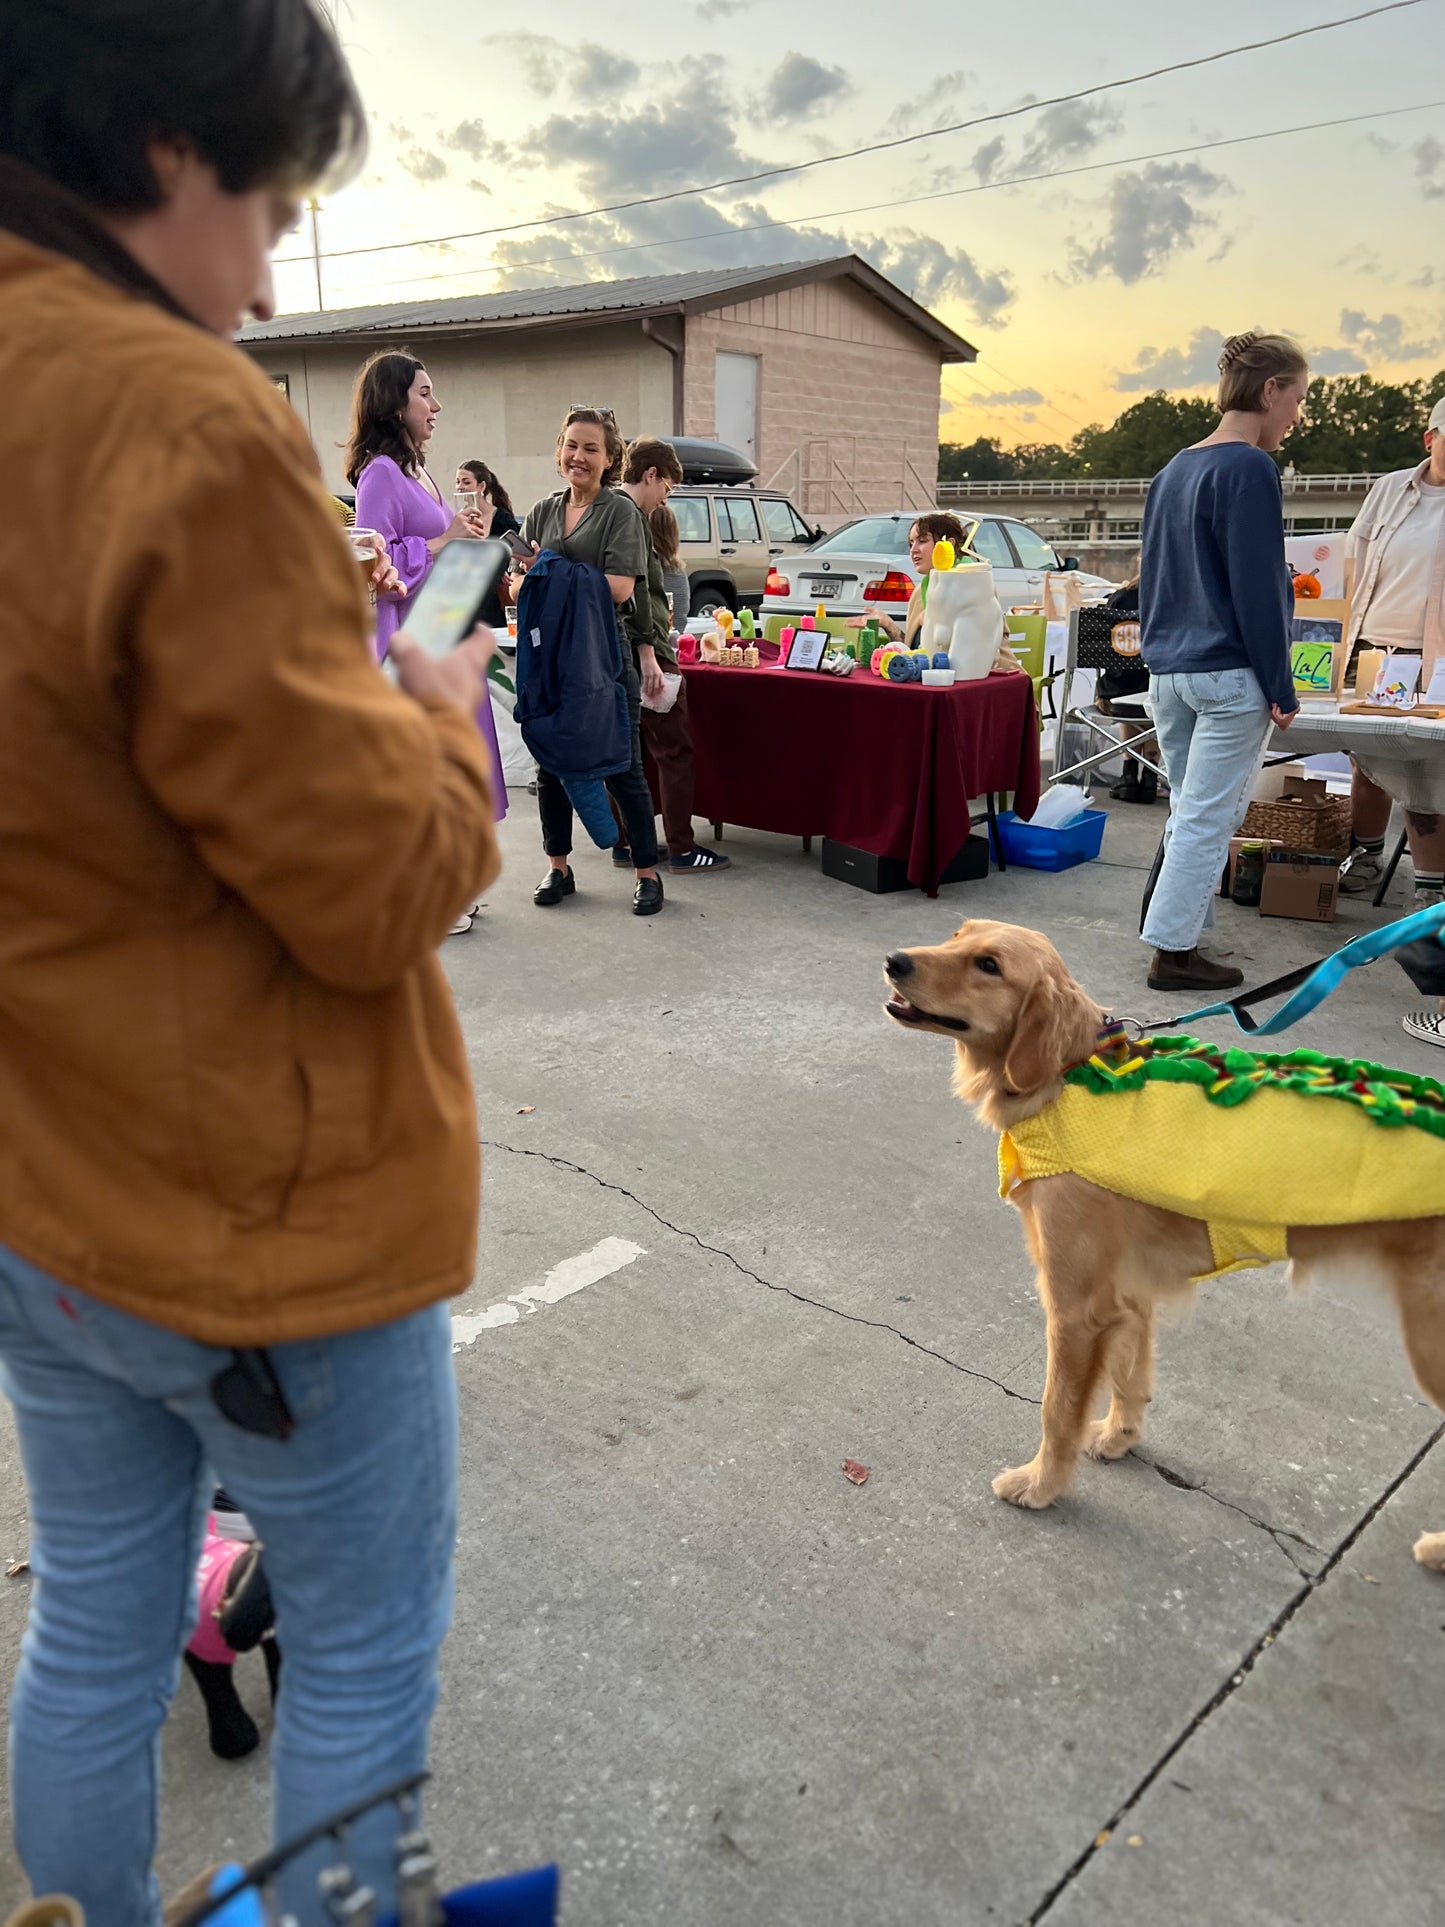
{"x": 1248, "y": 1142}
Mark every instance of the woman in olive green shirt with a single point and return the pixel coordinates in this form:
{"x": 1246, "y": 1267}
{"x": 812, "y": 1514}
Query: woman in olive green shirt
{"x": 592, "y": 522}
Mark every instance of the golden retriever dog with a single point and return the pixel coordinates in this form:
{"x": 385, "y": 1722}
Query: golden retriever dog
{"x": 1018, "y": 1022}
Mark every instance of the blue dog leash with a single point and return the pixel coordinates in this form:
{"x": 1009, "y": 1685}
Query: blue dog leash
{"x": 1312, "y": 983}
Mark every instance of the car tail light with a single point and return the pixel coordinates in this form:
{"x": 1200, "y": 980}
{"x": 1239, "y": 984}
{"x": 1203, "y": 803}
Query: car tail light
{"x": 893, "y": 587}
{"x": 777, "y": 584}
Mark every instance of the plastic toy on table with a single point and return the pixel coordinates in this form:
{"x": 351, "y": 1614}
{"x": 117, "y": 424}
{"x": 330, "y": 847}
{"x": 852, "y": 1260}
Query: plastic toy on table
{"x": 962, "y": 618}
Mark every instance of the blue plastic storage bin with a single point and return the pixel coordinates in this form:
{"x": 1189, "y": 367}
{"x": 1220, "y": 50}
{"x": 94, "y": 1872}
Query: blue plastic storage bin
{"x": 1033, "y": 847}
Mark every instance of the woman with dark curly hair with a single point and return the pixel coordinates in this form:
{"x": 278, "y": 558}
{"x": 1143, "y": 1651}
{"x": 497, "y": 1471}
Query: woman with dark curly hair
{"x": 394, "y": 410}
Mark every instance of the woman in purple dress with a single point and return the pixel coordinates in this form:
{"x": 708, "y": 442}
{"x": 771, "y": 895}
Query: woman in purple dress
{"x": 393, "y": 414}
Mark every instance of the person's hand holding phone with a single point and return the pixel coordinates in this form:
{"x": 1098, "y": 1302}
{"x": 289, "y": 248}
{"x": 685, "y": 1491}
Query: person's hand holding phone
{"x": 459, "y": 677}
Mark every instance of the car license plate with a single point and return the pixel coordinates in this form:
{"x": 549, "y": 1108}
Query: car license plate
{"x": 826, "y": 587}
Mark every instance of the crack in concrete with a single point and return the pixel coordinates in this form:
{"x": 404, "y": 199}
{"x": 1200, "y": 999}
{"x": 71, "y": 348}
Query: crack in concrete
{"x": 1312, "y": 1584}
{"x": 784, "y": 1291}
{"x": 1278, "y": 1533}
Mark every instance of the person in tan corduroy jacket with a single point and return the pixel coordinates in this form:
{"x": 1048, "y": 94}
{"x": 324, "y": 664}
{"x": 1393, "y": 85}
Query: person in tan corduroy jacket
{"x": 238, "y": 1148}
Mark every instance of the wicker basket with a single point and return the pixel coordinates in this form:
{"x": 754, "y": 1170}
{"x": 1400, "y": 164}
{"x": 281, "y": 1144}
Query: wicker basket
{"x": 1301, "y": 823}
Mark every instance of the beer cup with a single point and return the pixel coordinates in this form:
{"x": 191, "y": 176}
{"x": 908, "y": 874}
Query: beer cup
{"x": 363, "y": 547}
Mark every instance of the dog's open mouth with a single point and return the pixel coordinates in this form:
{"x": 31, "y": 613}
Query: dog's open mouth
{"x": 899, "y": 1008}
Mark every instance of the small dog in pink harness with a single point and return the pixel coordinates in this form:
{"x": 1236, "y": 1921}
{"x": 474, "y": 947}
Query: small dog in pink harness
{"x": 235, "y": 1615}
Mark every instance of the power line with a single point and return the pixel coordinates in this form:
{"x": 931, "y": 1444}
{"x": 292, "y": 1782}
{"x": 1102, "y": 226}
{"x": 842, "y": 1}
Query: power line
{"x": 913, "y": 200}
{"x": 1004, "y": 375}
{"x": 966, "y": 396}
{"x": 960, "y": 395}
{"x": 901, "y": 140}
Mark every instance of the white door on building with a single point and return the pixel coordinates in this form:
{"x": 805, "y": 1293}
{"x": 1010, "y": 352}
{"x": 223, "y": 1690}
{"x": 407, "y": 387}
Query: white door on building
{"x": 736, "y": 402}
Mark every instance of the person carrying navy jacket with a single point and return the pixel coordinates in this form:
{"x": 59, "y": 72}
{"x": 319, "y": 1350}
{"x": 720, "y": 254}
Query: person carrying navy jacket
{"x": 591, "y": 521}
{"x": 1215, "y": 606}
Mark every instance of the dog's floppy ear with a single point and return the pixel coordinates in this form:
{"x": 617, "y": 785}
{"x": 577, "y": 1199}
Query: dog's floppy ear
{"x": 1055, "y": 1027}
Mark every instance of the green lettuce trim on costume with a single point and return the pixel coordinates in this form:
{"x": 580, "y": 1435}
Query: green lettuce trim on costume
{"x": 1228, "y": 1076}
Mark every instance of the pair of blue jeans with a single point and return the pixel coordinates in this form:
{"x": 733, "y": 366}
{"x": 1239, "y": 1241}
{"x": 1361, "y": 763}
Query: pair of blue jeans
{"x": 1212, "y": 727}
{"x": 121, "y": 1442}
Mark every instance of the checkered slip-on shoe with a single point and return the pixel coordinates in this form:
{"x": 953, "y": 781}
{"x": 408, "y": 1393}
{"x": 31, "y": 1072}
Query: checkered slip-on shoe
{"x": 1426, "y": 1025}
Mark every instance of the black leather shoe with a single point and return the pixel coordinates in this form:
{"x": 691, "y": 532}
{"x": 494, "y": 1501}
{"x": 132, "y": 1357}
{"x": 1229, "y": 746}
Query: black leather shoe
{"x": 647, "y": 898}
{"x": 553, "y": 887}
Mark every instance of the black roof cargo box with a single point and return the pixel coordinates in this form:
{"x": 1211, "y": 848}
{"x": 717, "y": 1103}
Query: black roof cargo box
{"x": 711, "y": 461}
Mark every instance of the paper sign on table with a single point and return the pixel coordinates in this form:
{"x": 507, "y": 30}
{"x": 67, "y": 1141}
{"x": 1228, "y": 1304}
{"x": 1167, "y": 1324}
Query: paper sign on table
{"x": 1398, "y": 684}
{"x": 1436, "y": 692}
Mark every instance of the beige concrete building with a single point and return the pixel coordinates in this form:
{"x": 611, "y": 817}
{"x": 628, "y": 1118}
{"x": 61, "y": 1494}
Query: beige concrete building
{"x": 823, "y": 371}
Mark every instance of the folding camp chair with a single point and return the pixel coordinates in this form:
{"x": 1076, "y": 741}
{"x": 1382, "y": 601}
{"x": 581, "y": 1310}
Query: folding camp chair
{"x": 1028, "y": 638}
{"x": 1103, "y": 638}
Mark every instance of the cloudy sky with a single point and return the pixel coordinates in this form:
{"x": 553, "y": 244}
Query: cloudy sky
{"x": 1080, "y": 291}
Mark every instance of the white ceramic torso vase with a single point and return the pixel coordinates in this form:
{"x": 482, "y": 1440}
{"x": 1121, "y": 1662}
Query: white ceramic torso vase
{"x": 963, "y": 618}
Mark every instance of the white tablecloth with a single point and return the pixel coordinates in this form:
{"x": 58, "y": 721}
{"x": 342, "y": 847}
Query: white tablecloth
{"x": 1404, "y": 754}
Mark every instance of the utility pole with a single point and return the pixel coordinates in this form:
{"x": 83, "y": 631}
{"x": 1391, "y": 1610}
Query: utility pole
{"x": 328, "y": 8}
{"x": 314, "y": 208}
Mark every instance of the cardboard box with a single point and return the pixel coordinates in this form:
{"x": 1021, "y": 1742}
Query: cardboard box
{"x": 1300, "y": 884}
{"x": 880, "y": 874}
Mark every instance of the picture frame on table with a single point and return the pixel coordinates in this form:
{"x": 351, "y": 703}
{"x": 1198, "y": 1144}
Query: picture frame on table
{"x": 1316, "y": 647}
{"x": 807, "y": 649}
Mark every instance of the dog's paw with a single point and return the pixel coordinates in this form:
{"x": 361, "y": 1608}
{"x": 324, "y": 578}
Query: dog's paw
{"x": 1103, "y": 1441}
{"x": 1430, "y": 1550}
{"x": 1020, "y": 1485}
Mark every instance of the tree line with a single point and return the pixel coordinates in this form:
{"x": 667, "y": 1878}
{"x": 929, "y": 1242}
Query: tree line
{"x": 1352, "y": 425}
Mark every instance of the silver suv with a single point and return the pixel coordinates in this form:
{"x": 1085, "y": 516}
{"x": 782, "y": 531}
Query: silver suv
{"x": 731, "y": 539}
{"x": 731, "y": 532}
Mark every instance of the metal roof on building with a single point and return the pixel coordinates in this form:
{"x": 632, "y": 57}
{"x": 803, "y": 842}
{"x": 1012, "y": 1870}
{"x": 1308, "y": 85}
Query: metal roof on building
{"x": 692, "y": 293}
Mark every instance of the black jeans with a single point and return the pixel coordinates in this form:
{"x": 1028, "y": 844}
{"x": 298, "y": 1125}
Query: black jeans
{"x": 633, "y": 797}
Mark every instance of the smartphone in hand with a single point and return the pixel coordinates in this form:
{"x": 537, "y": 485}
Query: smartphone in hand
{"x": 448, "y": 605}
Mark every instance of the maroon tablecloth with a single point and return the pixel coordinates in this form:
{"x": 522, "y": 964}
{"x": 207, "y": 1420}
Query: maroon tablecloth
{"x": 887, "y": 767}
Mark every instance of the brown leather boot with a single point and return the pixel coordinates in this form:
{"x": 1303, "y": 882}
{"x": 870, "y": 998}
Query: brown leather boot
{"x": 48, "y": 1910}
{"x": 1187, "y": 970}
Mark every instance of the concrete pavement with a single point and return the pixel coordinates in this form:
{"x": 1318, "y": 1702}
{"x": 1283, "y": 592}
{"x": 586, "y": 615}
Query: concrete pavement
{"x": 721, "y": 1684}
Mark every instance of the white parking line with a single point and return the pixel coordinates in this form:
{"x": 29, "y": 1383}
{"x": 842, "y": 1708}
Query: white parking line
{"x": 572, "y": 1275}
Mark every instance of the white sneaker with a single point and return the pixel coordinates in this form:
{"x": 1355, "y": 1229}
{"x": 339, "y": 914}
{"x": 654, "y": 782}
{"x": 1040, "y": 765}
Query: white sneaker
{"x": 1427, "y": 899}
{"x": 1427, "y": 1026}
{"x": 1360, "y": 872}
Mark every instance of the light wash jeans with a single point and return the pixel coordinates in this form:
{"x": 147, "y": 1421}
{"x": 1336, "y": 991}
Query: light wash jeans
{"x": 357, "y": 1510}
{"x": 1213, "y": 726}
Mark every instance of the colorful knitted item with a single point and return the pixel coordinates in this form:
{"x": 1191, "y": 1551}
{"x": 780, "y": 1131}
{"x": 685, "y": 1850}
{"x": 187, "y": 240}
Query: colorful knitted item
{"x": 1265, "y": 1154}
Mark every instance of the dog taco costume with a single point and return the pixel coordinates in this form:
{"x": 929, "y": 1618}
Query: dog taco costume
{"x": 1236, "y": 1138}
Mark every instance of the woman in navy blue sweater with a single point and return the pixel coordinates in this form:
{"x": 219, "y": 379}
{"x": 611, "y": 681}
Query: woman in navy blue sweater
{"x": 1215, "y": 606}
